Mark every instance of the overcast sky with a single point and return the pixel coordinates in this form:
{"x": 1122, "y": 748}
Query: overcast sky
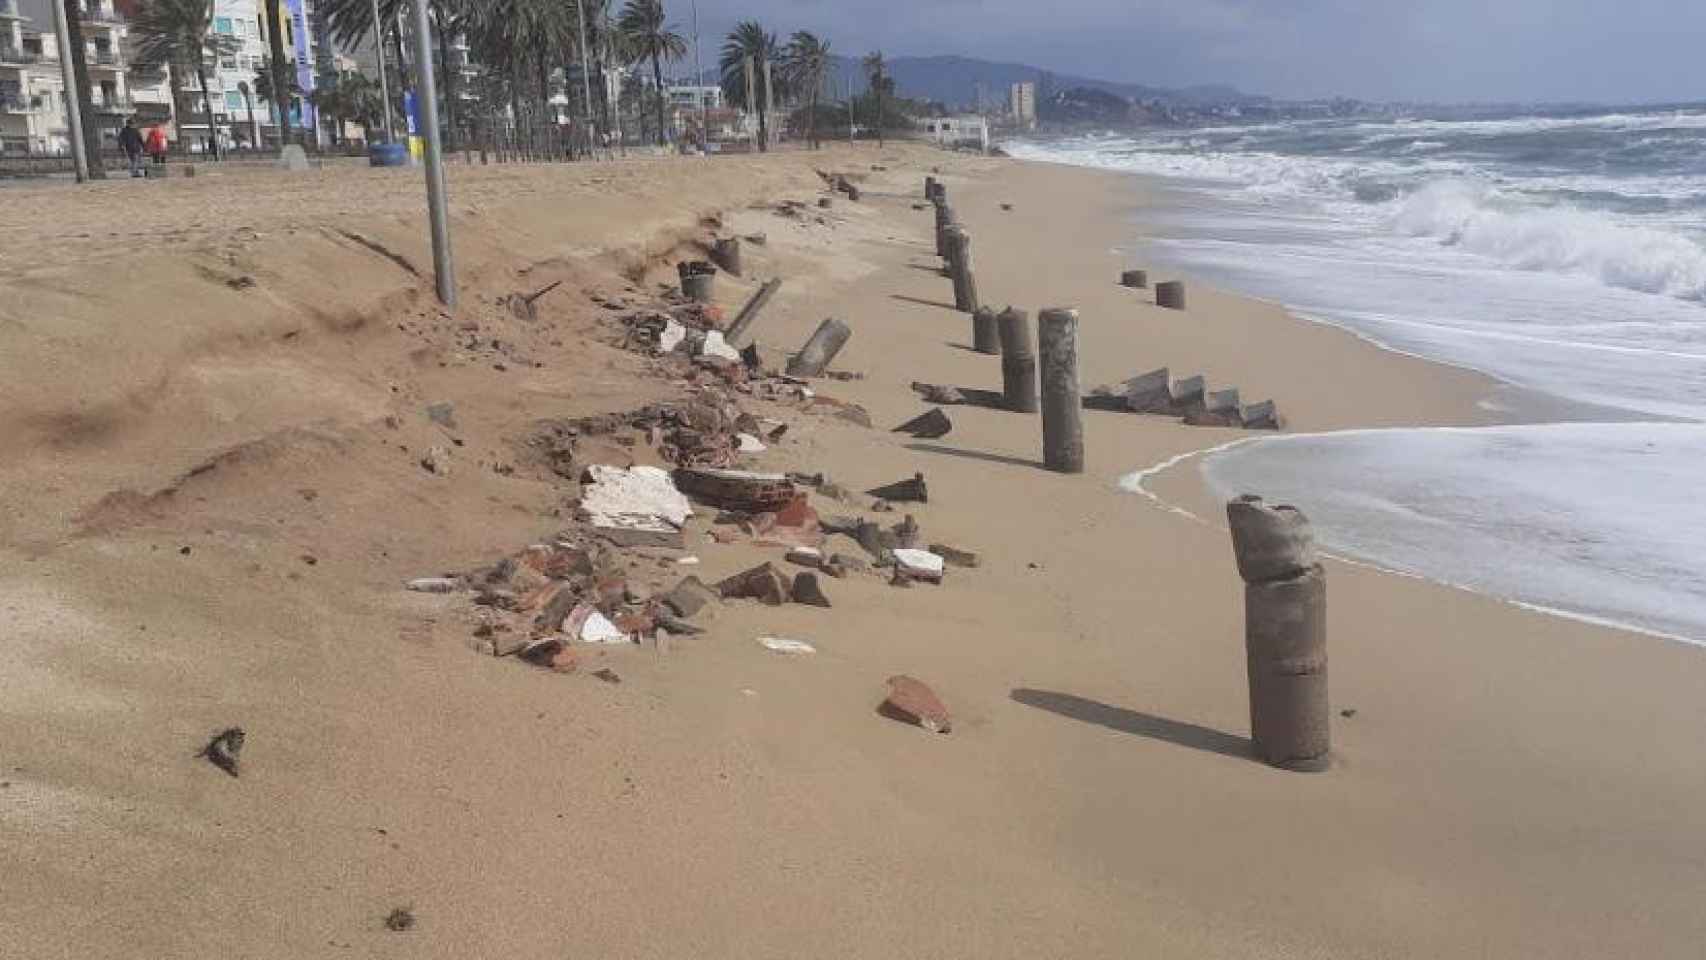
{"x": 1438, "y": 50}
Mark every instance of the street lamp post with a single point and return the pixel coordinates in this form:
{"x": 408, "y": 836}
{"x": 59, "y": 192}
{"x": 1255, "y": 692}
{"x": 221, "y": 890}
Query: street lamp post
{"x": 428, "y": 105}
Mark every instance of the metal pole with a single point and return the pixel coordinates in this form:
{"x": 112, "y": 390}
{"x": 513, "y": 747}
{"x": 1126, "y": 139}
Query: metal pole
{"x": 699, "y": 82}
{"x": 384, "y": 83}
{"x": 428, "y": 90}
{"x": 73, "y": 112}
{"x": 586, "y": 74}
{"x": 769, "y": 106}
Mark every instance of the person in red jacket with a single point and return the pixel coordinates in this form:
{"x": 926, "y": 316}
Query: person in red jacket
{"x": 157, "y": 144}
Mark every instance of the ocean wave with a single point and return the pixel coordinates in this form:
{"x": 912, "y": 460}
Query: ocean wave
{"x": 1481, "y": 220}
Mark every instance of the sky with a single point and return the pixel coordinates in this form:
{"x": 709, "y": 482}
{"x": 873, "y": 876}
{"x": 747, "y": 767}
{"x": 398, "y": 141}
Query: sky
{"x": 1610, "y": 51}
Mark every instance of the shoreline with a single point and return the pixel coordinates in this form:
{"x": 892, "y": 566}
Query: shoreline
{"x": 1506, "y": 783}
{"x": 1506, "y": 404}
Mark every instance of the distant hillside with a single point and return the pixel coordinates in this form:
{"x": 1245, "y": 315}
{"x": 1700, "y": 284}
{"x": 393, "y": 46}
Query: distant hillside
{"x": 954, "y": 81}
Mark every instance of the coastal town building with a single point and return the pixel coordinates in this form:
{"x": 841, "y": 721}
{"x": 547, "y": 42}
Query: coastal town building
{"x": 963, "y": 131}
{"x": 32, "y": 87}
{"x": 1023, "y": 105}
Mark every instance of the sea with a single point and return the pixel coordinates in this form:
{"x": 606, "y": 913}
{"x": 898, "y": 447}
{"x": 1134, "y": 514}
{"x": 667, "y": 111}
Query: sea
{"x": 1562, "y": 252}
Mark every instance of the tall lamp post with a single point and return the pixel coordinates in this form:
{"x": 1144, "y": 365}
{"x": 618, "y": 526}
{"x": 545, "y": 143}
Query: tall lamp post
{"x": 443, "y": 269}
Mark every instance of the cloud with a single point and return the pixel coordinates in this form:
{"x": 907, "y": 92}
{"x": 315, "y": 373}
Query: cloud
{"x": 1377, "y": 49}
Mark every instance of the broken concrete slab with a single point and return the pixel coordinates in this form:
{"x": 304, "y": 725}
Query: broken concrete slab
{"x": 635, "y": 502}
{"x": 763, "y": 583}
{"x": 930, "y": 425}
{"x": 806, "y": 590}
{"x": 434, "y": 585}
{"x": 736, "y": 489}
{"x": 956, "y": 557}
{"x": 904, "y": 491}
{"x": 1261, "y": 416}
{"x": 690, "y": 597}
{"x": 805, "y": 557}
{"x": 587, "y": 625}
{"x": 919, "y": 564}
{"x": 938, "y": 393}
{"x": 716, "y": 347}
{"x": 1187, "y": 393}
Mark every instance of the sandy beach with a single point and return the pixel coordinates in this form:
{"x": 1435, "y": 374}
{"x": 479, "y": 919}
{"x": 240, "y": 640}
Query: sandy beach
{"x": 213, "y": 390}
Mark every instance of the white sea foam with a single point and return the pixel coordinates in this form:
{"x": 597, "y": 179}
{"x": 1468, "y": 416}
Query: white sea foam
{"x": 1481, "y": 220}
{"x": 1524, "y": 513}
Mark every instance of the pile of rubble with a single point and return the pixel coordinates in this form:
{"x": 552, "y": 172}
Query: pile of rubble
{"x": 1157, "y": 392}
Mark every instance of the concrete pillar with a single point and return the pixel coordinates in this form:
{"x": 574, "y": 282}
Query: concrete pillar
{"x": 929, "y": 188}
{"x": 985, "y": 333}
{"x": 944, "y": 219}
{"x": 1057, "y": 348}
{"x": 749, "y": 313}
{"x": 1018, "y": 361}
{"x": 1135, "y": 279}
{"x": 959, "y": 262}
{"x": 726, "y": 254}
{"x": 1285, "y": 633}
{"x": 1170, "y": 294}
{"x": 697, "y": 279}
{"x": 814, "y": 358}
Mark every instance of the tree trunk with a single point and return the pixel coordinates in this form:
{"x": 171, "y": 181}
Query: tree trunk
{"x": 207, "y": 105}
{"x": 879, "y": 86}
{"x": 280, "y": 71}
{"x": 817, "y": 83}
{"x": 452, "y": 83}
{"x": 657, "y": 79}
{"x": 175, "y": 82}
{"x": 85, "y": 97}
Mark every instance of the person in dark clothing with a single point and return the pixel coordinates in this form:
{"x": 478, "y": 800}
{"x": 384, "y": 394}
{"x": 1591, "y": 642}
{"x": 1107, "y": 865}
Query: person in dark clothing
{"x": 130, "y": 140}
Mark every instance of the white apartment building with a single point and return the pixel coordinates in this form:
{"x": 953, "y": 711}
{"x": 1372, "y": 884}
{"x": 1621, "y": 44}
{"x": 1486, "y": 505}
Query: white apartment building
{"x": 32, "y": 88}
{"x": 693, "y": 96}
{"x": 239, "y": 118}
{"x": 1023, "y": 105}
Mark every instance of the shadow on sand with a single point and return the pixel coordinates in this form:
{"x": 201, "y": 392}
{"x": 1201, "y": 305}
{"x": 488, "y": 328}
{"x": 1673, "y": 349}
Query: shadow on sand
{"x": 1130, "y": 721}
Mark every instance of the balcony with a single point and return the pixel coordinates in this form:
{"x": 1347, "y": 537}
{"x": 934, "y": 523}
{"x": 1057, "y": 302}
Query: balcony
{"x": 105, "y": 60}
{"x": 15, "y": 103}
{"x": 12, "y": 56}
{"x": 114, "y": 104}
{"x": 102, "y": 15}
{"x": 9, "y": 10}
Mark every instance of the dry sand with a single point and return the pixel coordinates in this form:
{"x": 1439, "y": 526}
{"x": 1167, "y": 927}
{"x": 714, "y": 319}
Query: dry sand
{"x": 1511, "y": 784}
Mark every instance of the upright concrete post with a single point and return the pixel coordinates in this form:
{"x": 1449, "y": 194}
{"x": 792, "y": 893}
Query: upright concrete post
{"x": 726, "y": 254}
{"x": 944, "y": 220}
{"x": 1135, "y": 279}
{"x": 1170, "y": 294}
{"x": 929, "y": 188}
{"x": 814, "y": 358}
{"x": 1018, "y": 361}
{"x": 1285, "y": 633}
{"x": 985, "y": 332}
{"x": 959, "y": 262}
{"x": 1063, "y": 433}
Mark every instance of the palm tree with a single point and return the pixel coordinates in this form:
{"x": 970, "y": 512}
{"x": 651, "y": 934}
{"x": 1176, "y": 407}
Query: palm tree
{"x": 280, "y": 70}
{"x": 650, "y": 38}
{"x": 178, "y": 34}
{"x": 804, "y": 63}
{"x": 249, "y": 101}
{"x": 748, "y": 41}
{"x": 874, "y": 67}
{"x": 351, "y": 23}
